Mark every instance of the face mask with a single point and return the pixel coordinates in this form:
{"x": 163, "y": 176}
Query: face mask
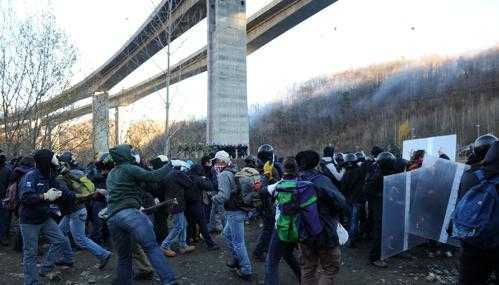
{"x": 135, "y": 155}
{"x": 219, "y": 167}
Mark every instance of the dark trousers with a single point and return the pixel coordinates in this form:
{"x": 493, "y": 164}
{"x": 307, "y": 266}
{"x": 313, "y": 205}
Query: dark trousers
{"x": 327, "y": 259}
{"x": 5, "y": 219}
{"x": 278, "y": 250}
{"x": 376, "y": 214}
{"x": 195, "y": 211}
{"x": 476, "y": 265}
{"x": 268, "y": 219}
{"x": 161, "y": 224}
{"x": 99, "y": 228}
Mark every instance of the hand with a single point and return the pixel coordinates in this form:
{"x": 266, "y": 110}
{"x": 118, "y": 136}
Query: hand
{"x": 52, "y": 194}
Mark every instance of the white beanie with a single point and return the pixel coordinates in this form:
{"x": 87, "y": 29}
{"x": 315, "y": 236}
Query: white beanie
{"x": 223, "y": 156}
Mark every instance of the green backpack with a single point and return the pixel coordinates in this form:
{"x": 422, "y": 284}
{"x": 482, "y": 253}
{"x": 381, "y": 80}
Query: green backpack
{"x": 298, "y": 217}
{"x": 79, "y": 183}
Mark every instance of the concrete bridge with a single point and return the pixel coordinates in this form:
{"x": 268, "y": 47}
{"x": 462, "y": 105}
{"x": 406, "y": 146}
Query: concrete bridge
{"x": 231, "y": 37}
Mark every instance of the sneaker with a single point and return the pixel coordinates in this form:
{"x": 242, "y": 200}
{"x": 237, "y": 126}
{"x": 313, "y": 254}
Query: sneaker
{"x": 380, "y": 264}
{"x": 243, "y": 276}
{"x": 187, "y": 249}
{"x": 449, "y": 254}
{"x": 169, "y": 253}
{"x": 104, "y": 262}
{"x": 143, "y": 275}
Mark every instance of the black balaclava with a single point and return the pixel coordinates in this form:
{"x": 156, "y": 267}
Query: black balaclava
{"x": 43, "y": 161}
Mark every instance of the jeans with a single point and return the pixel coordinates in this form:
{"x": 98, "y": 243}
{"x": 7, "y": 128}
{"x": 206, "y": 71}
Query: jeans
{"x": 75, "y": 223}
{"x": 131, "y": 223}
{"x": 179, "y": 230}
{"x": 217, "y": 215}
{"x": 319, "y": 266}
{"x": 98, "y": 224}
{"x": 196, "y": 212}
{"x": 59, "y": 243}
{"x": 233, "y": 234}
{"x": 353, "y": 228}
{"x": 278, "y": 250}
{"x": 5, "y": 219}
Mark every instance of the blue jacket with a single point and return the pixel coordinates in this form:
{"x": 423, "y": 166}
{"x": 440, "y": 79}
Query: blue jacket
{"x": 33, "y": 209}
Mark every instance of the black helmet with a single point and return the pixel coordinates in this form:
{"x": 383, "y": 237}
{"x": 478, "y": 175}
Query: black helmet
{"x": 350, "y": 158}
{"x": 360, "y": 156}
{"x": 386, "y": 160}
{"x": 250, "y": 161}
{"x": 482, "y": 144}
{"x": 265, "y": 153}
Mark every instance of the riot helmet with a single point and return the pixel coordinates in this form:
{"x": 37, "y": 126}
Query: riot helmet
{"x": 481, "y": 145}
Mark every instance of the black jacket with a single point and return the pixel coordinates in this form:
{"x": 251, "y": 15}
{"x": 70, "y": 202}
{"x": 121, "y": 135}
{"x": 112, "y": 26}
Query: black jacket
{"x": 200, "y": 184}
{"x": 174, "y": 186}
{"x": 5, "y": 176}
{"x": 352, "y": 184}
{"x": 330, "y": 204}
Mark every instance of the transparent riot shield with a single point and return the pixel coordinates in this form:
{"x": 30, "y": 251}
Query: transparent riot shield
{"x": 433, "y": 196}
{"x": 395, "y": 236}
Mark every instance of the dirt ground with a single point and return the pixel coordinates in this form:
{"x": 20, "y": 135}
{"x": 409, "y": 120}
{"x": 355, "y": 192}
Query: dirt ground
{"x": 204, "y": 267}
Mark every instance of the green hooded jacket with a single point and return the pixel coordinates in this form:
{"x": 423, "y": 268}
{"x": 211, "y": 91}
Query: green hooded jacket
{"x": 123, "y": 182}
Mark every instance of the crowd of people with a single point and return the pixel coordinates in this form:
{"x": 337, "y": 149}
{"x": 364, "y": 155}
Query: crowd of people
{"x": 144, "y": 212}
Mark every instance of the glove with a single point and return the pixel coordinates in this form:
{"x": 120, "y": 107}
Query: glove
{"x": 103, "y": 192}
{"x": 52, "y": 195}
{"x": 267, "y": 170}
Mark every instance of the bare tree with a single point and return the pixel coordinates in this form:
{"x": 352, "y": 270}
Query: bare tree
{"x": 36, "y": 59}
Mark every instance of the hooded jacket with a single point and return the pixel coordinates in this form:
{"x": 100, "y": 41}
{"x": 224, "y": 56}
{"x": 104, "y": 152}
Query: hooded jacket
{"x": 33, "y": 209}
{"x": 123, "y": 182}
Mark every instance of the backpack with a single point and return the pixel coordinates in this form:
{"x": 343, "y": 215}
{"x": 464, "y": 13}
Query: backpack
{"x": 476, "y": 217}
{"x": 298, "y": 219}
{"x": 249, "y": 184}
{"x": 79, "y": 183}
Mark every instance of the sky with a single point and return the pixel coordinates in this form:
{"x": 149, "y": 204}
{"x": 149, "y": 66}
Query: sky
{"x": 346, "y": 35}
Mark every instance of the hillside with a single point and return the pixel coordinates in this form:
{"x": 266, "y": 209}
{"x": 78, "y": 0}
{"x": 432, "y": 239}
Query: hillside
{"x": 384, "y": 104}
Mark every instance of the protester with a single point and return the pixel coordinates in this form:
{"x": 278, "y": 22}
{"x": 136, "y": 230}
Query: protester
{"x": 126, "y": 220}
{"x": 235, "y": 216}
{"x": 176, "y": 183}
{"x": 277, "y": 248}
{"x": 321, "y": 257}
{"x": 476, "y": 264}
{"x": 385, "y": 165}
{"x": 194, "y": 196}
{"x": 5, "y": 212}
{"x": 38, "y": 189}
{"x": 270, "y": 174}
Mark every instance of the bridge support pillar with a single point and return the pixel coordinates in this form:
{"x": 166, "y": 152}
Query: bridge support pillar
{"x": 228, "y": 122}
{"x": 100, "y": 121}
{"x": 117, "y": 126}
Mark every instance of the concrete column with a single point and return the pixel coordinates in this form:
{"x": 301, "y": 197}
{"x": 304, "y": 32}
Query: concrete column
{"x": 100, "y": 108}
{"x": 117, "y": 126}
{"x": 228, "y": 122}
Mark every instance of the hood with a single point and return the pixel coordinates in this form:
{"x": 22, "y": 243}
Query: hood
{"x": 197, "y": 169}
{"x": 122, "y": 154}
{"x": 20, "y": 171}
{"x": 491, "y": 161}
